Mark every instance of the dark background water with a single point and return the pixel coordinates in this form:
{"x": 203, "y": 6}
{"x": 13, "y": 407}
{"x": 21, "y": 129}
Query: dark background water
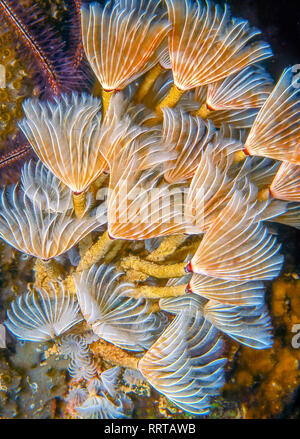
{"x": 279, "y": 22}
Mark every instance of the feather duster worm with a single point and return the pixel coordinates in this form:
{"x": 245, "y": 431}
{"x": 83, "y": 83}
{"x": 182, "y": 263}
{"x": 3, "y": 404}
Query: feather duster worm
{"x": 239, "y": 119}
{"x": 211, "y": 186}
{"x": 237, "y": 246}
{"x": 227, "y": 292}
{"x": 249, "y": 325}
{"x": 188, "y": 303}
{"x": 69, "y": 136}
{"x": 100, "y": 407}
{"x": 276, "y": 130}
{"x": 109, "y": 380}
{"x": 66, "y": 135}
{"x": 34, "y": 228}
{"x": 40, "y": 316}
{"x": 121, "y": 320}
{"x": 259, "y": 171}
{"x": 206, "y": 46}
{"x": 291, "y": 217}
{"x": 73, "y": 346}
{"x": 185, "y": 363}
{"x": 137, "y": 206}
{"x": 189, "y": 135}
{"x": 248, "y": 88}
{"x": 123, "y": 40}
{"x": 82, "y": 368}
{"x": 41, "y": 186}
{"x": 286, "y": 184}
{"x": 76, "y": 397}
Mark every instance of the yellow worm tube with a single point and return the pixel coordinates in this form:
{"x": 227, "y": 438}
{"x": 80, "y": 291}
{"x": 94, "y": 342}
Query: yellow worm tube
{"x": 153, "y": 307}
{"x": 116, "y": 248}
{"x": 170, "y": 100}
{"x": 114, "y": 355}
{"x": 239, "y": 156}
{"x": 263, "y": 194}
{"x": 130, "y": 276}
{"x": 135, "y": 276}
{"x": 168, "y": 246}
{"x": 185, "y": 250}
{"x": 148, "y": 81}
{"x": 69, "y": 284}
{"x": 91, "y": 256}
{"x": 79, "y": 203}
{"x": 203, "y": 111}
{"x": 96, "y": 252}
{"x": 98, "y": 183}
{"x": 46, "y": 272}
{"x": 106, "y": 95}
{"x": 152, "y": 269}
{"x": 85, "y": 244}
{"x": 151, "y": 292}
{"x": 95, "y": 186}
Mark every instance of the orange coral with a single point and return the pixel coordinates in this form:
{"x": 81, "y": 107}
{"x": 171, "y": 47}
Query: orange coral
{"x": 266, "y": 380}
